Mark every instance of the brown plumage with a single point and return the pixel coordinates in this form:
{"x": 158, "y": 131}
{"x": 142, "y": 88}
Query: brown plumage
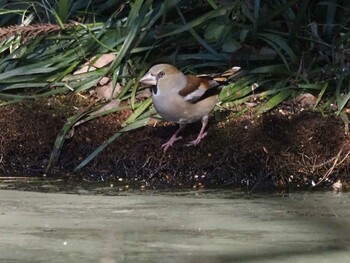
{"x": 193, "y": 83}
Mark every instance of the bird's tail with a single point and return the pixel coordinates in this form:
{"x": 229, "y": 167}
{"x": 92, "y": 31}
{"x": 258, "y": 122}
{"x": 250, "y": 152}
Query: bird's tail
{"x": 219, "y": 79}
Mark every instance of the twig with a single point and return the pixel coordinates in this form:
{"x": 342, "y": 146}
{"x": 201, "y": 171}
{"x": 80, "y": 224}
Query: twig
{"x": 30, "y": 31}
{"x": 335, "y": 163}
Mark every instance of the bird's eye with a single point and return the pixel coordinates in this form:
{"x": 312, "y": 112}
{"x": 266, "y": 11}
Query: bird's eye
{"x": 161, "y": 74}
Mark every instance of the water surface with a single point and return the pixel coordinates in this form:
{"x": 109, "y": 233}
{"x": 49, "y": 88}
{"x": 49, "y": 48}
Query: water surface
{"x": 190, "y": 226}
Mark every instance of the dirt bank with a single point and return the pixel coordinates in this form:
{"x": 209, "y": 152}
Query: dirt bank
{"x": 278, "y": 149}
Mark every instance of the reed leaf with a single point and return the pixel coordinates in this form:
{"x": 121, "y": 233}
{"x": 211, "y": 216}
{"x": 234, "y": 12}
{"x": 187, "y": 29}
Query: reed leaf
{"x": 133, "y": 126}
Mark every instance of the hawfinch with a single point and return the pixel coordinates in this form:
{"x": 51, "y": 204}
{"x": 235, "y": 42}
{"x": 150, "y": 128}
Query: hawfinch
{"x": 181, "y": 98}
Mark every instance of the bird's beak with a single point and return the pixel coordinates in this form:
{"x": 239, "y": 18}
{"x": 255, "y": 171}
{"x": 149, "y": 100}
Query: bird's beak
{"x": 149, "y": 79}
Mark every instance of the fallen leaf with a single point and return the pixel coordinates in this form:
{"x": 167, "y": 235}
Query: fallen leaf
{"x": 104, "y": 81}
{"x": 338, "y": 185}
{"x": 306, "y": 100}
{"x": 251, "y": 104}
{"x": 85, "y": 68}
{"x": 92, "y": 65}
{"x": 146, "y": 93}
{"x": 105, "y": 92}
{"x": 103, "y": 60}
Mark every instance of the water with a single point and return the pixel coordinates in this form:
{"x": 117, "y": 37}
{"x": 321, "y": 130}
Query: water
{"x": 195, "y": 226}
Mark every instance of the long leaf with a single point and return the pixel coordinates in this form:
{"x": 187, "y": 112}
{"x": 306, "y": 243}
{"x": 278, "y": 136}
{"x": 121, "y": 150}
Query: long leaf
{"x": 275, "y": 100}
{"x": 280, "y": 42}
{"x": 135, "y": 125}
{"x": 55, "y": 153}
{"x": 138, "y": 111}
{"x": 198, "y": 21}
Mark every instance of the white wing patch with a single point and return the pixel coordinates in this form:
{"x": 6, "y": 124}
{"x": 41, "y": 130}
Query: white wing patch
{"x": 197, "y": 94}
{"x": 213, "y": 83}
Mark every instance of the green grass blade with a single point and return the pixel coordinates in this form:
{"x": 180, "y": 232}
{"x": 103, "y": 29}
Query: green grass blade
{"x": 63, "y": 10}
{"x": 58, "y": 19}
{"x": 28, "y": 70}
{"x": 275, "y": 100}
{"x": 135, "y": 125}
{"x": 320, "y": 95}
{"x": 271, "y": 69}
{"x": 197, "y": 37}
{"x": 61, "y": 137}
{"x": 196, "y": 22}
{"x": 278, "y": 11}
{"x": 280, "y": 42}
{"x": 135, "y": 25}
{"x": 138, "y": 111}
{"x": 342, "y": 100}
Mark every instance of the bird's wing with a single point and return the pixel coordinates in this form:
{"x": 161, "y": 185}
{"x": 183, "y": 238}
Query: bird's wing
{"x": 195, "y": 88}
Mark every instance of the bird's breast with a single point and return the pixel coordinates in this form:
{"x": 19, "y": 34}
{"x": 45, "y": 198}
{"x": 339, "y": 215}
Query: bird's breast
{"x": 173, "y": 107}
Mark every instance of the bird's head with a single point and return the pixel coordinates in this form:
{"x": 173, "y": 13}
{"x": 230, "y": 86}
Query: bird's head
{"x": 163, "y": 76}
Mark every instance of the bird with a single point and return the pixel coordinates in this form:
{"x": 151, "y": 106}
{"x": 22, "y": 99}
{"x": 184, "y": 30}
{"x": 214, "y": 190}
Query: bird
{"x": 183, "y": 99}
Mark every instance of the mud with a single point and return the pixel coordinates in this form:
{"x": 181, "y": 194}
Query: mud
{"x": 281, "y": 149}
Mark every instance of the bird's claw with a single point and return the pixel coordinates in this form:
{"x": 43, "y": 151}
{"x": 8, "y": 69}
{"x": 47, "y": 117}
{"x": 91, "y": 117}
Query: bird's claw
{"x": 197, "y": 140}
{"x": 170, "y": 143}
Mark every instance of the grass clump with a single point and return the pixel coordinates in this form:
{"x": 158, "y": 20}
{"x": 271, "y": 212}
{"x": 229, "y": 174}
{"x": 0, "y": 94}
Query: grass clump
{"x": 285, "y": 48}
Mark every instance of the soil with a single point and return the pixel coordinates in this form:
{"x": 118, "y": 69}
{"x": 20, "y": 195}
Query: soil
{"x": 283, "y": 149}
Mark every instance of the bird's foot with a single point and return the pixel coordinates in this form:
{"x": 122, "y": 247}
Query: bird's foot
{"x": 199, "y": 138}
{"x": 170, "y": 143}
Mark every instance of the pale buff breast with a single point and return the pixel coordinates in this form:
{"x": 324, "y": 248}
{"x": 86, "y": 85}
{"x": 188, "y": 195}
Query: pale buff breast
{"x": 173, "y": 107}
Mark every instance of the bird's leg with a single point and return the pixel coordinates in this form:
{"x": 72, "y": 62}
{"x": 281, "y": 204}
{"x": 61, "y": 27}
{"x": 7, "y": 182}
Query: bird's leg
{"x": 201, "y": 134}
{"x": 173, "y": 138}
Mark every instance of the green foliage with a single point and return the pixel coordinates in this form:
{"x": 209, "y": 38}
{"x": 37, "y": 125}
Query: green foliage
{"x": 285, "y": 46}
